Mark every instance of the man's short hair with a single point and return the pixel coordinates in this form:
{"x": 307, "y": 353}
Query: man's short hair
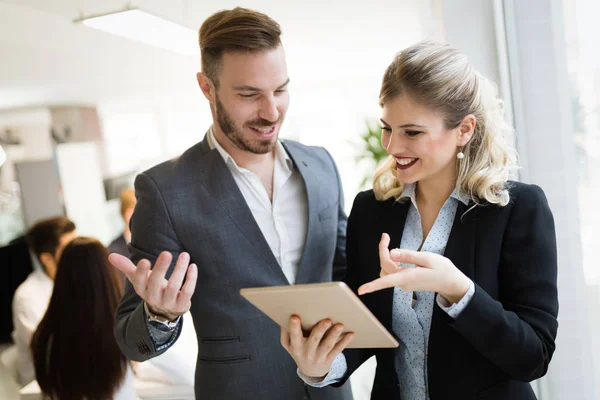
{"x": 237, "y": 30}
{"x": 44, "y": 236}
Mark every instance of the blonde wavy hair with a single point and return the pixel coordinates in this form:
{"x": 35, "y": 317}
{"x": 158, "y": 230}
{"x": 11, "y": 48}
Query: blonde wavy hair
{"x": 438, "y": 76}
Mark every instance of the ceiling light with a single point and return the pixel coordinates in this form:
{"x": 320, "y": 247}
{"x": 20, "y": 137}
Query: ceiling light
{"x": 138, "y": 25}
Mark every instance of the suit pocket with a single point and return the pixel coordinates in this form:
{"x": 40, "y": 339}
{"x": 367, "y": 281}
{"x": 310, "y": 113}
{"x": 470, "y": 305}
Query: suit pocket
{"x": 220, "y": 339}
{"x": 224, "y": 360}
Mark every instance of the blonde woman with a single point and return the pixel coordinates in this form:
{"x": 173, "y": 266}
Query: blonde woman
{"x": 455, "y": 259}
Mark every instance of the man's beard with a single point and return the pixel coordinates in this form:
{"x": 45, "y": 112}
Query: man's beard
{"x": 236, "y": 136}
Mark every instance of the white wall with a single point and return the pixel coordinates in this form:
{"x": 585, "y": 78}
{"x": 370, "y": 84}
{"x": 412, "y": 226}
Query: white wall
{"x": 531, "y": 43}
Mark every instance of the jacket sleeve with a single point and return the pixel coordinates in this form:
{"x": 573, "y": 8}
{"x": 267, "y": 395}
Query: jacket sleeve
{"x": 152, "y": 233}
{"x": 517, "y": 333}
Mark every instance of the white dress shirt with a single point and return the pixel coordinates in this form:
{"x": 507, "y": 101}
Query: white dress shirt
{"x": 29, "y": 305}
{"x": 284, "y": 221}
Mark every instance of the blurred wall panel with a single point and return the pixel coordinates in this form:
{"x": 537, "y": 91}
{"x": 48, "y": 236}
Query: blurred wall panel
{"x": 40, "y": 190}
{"x": 83, "y": 189}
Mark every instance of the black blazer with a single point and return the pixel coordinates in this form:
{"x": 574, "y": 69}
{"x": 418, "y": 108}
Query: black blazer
{"x": 505, "y": 337}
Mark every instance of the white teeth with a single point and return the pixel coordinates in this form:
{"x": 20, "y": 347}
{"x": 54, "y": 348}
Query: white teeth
{"x": 263, "y": 130}
{"x": 405, "y": 161}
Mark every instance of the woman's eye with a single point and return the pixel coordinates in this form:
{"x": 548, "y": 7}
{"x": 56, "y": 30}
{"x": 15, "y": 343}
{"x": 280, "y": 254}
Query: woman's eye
{"x": 386, "y": 129}
{"x": 413, "y": 133}
{"x": 247, "y": 96}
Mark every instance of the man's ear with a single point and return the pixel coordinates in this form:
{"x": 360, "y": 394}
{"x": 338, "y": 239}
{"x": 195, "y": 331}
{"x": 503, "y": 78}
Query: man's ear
{"x": 46, "y": 258}
{"x": 48, "y": 264}
{"x": 207, "y": 86}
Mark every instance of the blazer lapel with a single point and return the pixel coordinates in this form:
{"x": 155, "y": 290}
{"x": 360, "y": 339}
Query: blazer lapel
{"x": 310, "y": 177}
{"x": 461, "y": 243}
{"x": 217, "y": 179}
{"x": 393, "y": 220}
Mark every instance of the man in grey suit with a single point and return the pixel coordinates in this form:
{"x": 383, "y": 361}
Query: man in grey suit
{"x": 239, "y": 209}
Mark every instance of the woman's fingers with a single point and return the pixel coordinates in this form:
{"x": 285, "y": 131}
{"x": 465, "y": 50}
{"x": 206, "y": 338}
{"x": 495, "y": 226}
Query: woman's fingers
{"x": 407, "y": 279}
{"x": 387, "y": 264}
{"x": 419, "y": 258}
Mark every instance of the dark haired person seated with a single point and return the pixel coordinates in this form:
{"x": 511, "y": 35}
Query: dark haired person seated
{"x": 75, "y": 354}
{"x": 46, "y": 239}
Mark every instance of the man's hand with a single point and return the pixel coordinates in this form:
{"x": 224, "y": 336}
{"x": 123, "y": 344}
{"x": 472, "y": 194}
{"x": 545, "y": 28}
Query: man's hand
{"x": 164, "y": 297}
{"x": 315, "y": 354}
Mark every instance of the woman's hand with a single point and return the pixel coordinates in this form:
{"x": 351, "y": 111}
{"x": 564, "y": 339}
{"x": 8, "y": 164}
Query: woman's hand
{"x": 315, "y": 354}
{"x": 432, "y": 273}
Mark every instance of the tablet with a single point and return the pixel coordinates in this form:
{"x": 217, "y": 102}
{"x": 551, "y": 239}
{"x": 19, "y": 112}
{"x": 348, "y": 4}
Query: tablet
{"x": 317, "y": 301}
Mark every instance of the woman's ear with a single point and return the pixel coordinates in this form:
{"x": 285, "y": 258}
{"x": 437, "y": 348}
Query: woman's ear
{"x": 466, "y": 128}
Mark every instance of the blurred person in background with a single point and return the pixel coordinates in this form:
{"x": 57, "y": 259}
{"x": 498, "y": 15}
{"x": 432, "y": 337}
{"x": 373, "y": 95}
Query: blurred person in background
{"x": 75, "y": 354}
{"x": 451, "y": 256}
{"x": 46, "y": 240}
{"x": 239, "y": 209}
{"x": 127, "y": 204}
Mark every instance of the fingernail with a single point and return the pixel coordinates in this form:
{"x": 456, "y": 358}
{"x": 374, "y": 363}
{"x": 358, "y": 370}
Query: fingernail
{"x": 396, "y": 252}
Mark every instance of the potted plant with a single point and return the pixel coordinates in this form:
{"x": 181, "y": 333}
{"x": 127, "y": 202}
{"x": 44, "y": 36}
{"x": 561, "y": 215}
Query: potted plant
{"x": 370, "y": 151}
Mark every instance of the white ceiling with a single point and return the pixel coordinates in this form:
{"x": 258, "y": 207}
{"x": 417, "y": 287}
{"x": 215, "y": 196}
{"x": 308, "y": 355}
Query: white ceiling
{"x": 46, "y": 59}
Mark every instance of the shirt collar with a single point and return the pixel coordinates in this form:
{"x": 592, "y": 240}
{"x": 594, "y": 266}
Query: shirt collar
{"x": 41, "y": 275}
{"x": 462, "y": 198}
{"x": 281, "y": 154}
{"x": 409, "y": 192}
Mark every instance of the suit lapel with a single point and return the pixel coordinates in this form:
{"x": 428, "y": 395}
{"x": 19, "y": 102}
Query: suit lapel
{"x": 460, "y": 249}
{"x": 217, "y": 179}
{"x": 461, "y": 243}
{"x": 309, "y": 176}
{"x": 392, "y": 220}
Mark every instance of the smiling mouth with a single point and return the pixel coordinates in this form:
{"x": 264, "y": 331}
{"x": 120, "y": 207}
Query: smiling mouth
{"x": 264, "y": 131}
{"x": 405, "y": 163}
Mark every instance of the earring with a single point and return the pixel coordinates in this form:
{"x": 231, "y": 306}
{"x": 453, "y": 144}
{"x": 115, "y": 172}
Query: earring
{"x": 460, "y": 155}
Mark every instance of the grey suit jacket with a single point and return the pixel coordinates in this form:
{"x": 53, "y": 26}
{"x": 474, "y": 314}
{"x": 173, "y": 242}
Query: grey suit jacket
{"x": 193, "y": 204}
